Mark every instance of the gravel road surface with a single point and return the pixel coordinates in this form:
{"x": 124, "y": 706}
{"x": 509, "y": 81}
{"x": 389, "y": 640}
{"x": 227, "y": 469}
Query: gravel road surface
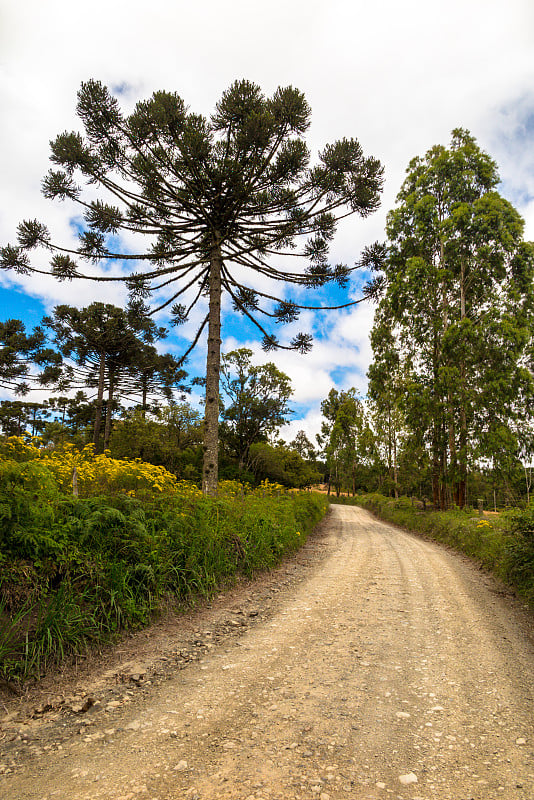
{"x": 387, "y": 667}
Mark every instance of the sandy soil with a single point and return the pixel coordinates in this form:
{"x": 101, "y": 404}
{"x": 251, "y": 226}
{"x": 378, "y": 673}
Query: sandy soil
{"x": 372, "y": 665}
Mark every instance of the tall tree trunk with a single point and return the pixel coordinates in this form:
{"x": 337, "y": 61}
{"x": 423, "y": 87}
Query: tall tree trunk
{"x": 210, "y": 471}
{"x": 395, "y": 468}
{"x": 437, "y": 455}
{"x": 391, "y": 471}
{"x": 145, "y": 391}
{"x": 436, "y": 497}
{"x": 109, "y": 411}
{"x": 453, "y": 462}
{"x": 99, "y": 400}
{"x": 462, "y": 482}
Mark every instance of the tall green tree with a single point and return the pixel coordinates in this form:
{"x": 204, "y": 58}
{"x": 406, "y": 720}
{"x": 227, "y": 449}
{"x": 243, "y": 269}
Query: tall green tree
{"x": 351, "y": 443}
{"x": 303, "y": 446}
{"x": 151, "y": 376}
{"x": 385, "y": 395}
{"x": 258, "y": 398}
{"x": 104, "y": 344}
{"x": 18, "y": 417}
{"x": 458, "y": 280}
{"x": 346, "y": 438}
{"x": 218, "y": 200}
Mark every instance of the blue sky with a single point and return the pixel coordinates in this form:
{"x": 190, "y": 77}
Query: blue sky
{"x": 398, "y": 75}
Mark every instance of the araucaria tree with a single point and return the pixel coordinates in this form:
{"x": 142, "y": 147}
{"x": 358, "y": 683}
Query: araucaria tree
{"x": 455, "y": 321}
{"x": 106, "y": 346}
{"x": 22, "y": 355}
{"x": 217, "y": 199}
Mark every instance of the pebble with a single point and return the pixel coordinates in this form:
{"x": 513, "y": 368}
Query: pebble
{"x": 82, "y": 706}
{"x": 181, "y": 766}
{"x": 408, "y": 778}
{"x": 521, "y": 740}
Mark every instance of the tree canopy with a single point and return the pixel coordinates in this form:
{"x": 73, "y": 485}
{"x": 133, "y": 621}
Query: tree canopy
{"x": 258, "y": 396}
{"x": 105, "y": 346}
{"x": 22, "y": 355}
{"x": 454, "y": 324}
{"x": 214, "y": 205}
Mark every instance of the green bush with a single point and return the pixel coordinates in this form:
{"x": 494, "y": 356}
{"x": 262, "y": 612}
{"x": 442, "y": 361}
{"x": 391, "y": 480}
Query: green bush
{"x": 520, "y": 553}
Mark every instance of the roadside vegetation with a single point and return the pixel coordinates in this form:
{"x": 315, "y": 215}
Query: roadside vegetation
{"x": 101, "y": 519}
{"x": 77, "y": 570}
{"x": 502, "y": 543}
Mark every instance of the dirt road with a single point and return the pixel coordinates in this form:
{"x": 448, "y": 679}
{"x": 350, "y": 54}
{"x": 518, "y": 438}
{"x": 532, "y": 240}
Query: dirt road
{"x": 389, "y": 667}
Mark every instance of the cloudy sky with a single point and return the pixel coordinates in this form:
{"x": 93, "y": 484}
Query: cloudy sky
{"x": 398, "y": 75}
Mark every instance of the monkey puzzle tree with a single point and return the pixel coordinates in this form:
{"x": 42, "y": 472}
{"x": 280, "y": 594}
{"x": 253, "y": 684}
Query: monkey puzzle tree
{"x": 21, "y": 354}
{"x": 106, "y": 345}
{"x": 217, "y": 200}
{"x": 152, "y": 375}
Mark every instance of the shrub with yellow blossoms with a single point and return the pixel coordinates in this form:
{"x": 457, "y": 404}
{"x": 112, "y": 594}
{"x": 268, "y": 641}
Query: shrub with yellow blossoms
{"x": 96, "y": 474}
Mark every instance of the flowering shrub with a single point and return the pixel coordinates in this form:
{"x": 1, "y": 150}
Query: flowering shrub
{"x": 79, "y": 569}
{"x": 101, "y": 474}
{"x": 95, "y": 474}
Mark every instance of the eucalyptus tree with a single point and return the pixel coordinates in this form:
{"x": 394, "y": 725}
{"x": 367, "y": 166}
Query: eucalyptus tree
{"x": 458, "y": 294}
{"x": 345, "y": 437}
{"x": 218, "y": 202}
{"x": 385, "y": 394}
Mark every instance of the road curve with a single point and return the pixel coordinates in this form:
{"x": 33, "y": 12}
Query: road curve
{"x": 395, "y": 670}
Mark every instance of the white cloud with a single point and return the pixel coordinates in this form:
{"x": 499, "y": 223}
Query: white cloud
{"x": 397, "y": 76}
{"x": 310, "y": 424}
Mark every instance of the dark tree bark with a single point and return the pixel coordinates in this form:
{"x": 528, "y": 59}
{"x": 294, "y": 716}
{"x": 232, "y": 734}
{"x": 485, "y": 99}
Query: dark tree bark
{"x": 213, "y": 365}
